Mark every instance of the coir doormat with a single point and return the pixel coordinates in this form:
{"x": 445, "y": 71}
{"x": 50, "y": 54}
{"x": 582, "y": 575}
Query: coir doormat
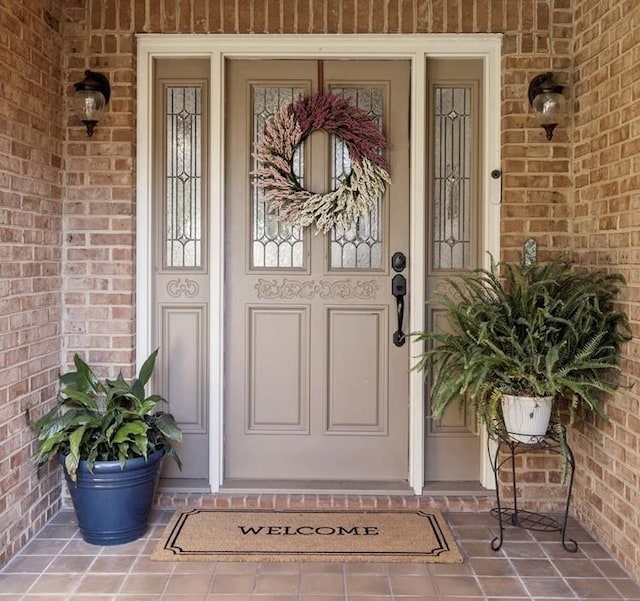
{"x": 307, "y": 535}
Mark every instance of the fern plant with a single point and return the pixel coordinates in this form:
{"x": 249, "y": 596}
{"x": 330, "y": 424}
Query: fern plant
{"x": 545, "y": 329}
{"x": 105, "y": 420}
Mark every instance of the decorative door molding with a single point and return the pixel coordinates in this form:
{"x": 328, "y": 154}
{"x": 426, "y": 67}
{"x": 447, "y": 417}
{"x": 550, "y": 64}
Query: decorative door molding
{"x": 289, "y": 289}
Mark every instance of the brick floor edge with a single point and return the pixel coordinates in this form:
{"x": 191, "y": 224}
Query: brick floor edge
{"x": 326, "y": 501}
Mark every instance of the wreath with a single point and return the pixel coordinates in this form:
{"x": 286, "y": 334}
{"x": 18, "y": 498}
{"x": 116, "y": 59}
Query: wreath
{"x": 357, "y": 191}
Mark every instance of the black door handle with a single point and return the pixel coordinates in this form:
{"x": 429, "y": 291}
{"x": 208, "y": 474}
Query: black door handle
{"x": 399, "y": 290}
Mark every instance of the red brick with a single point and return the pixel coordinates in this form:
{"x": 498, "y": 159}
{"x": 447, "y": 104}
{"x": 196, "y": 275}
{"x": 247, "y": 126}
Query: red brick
{"x": 31, "y": 148}
{"x": 274, "y": 16}
{"x": 405, "y": 17}
{"x": 303, "y": 16}
{"x": 245, "y": 22}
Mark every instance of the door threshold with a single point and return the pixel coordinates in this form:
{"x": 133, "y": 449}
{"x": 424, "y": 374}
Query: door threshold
{"x": 184, "y": 485}
{"x": 453, "y": 488}
{"x": 323, "y": 487}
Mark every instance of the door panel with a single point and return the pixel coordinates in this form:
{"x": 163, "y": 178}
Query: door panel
{"x": 285, "y": 407}
{"x": 355, "y": 375}
{"x": 314, "y": 387}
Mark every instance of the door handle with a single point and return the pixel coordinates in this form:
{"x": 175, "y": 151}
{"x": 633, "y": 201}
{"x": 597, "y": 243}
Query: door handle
{"x": 399, "y": 290}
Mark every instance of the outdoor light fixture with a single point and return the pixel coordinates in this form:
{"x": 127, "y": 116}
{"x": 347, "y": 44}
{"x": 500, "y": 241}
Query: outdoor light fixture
{"x": 545, "y": 96}
{"x": 92, "y": 95}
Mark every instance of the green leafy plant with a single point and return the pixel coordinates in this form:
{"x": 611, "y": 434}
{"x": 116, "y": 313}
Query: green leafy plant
{"x": 105, "y": 420}
{"x": 546, "y": 329}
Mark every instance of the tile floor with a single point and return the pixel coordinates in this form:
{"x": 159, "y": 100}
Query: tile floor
{"x": 58, "y": 565}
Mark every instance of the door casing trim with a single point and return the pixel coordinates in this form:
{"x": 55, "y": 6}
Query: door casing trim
{"x": 413, "y": 47}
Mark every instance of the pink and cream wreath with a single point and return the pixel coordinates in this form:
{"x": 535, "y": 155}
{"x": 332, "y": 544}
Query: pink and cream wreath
{"x": 357, "y": 191}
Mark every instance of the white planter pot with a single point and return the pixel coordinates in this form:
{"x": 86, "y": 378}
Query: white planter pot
{"x": 526, "y": 418}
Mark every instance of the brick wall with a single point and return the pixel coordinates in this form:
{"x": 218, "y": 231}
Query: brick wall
{"x": 536, "y": 173}
{"x": 30, "y": 247}
{"x": 99, "y": 197}
{"x": 99, "y": 213}
{"x": 605, "y": 220}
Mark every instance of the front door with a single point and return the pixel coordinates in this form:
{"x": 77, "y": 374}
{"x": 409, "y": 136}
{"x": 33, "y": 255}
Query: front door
{"x": 315, "y": 387}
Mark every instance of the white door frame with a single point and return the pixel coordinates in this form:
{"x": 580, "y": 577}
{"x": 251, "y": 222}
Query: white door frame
{"x": 415, "y": 48}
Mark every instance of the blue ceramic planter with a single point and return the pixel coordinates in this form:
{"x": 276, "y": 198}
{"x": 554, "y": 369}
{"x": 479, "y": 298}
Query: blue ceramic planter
{"x": 113, "y": 504}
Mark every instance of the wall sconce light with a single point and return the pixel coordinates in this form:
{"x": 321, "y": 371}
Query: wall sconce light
{"x": 91, "y": 97}
{"x": 546, "y": 99}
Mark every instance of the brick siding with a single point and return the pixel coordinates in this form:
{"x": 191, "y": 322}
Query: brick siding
{"x": 539, "y": 200}
{"x": 31, "y": 131}
{"x": 605, "y": 231}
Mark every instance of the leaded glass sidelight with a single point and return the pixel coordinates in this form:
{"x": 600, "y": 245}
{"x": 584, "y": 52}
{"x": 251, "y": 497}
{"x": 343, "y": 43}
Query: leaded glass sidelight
{"x": 275, "y": 244}
{"x": 452, "y": 146}
{"x": 183, "y": 179}
{"x": 360, "y": 245}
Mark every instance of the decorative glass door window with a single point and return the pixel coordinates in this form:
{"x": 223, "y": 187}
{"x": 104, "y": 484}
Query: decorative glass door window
{"x": 452, "y": 150}
{"x": 275, "y": 244}
{"x": 360, "y": 246}
{"x": 183, "y": 178}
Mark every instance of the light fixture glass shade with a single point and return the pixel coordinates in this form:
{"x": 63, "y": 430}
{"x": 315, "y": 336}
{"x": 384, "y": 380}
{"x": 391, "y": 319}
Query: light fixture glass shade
{"x": 89, "y": 106}
{"x": 91, "y": 97}
{"x": 546, "y": 99}
{"x": 550, "y": 107}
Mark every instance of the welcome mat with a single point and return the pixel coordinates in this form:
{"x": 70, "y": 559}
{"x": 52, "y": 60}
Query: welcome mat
{"x": 307, "y": 535}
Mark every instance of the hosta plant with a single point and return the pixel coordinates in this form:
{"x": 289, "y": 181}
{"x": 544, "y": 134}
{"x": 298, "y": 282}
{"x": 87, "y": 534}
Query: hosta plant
{"x": 105, "y": 420}
{"x": 545, "y": 329}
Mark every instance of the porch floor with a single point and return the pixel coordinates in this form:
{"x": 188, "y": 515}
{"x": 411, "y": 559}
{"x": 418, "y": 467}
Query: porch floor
{"x": 57, "y": 564}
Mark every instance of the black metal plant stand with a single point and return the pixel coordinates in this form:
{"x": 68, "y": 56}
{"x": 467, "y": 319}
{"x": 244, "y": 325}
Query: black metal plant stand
{"x": 519, "y": 517}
